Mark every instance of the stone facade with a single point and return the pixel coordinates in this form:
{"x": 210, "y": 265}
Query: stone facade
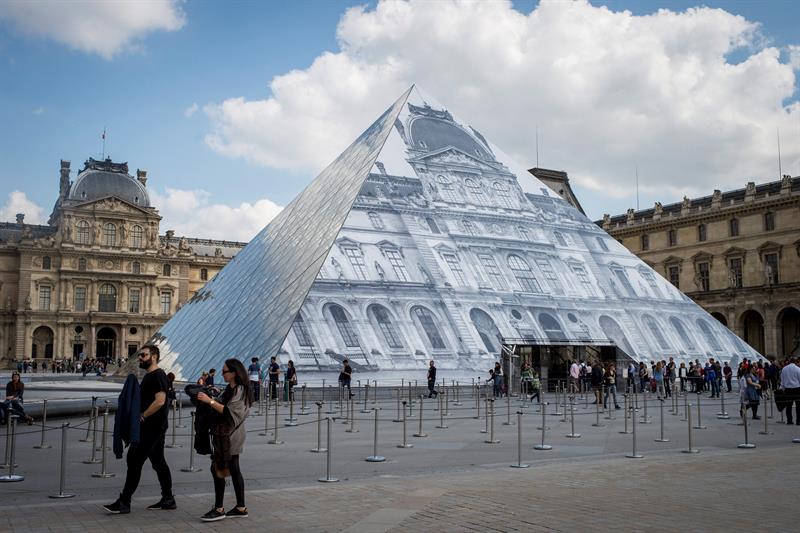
{"x": 98, "y": 280}
{"x": 737, "y": 254}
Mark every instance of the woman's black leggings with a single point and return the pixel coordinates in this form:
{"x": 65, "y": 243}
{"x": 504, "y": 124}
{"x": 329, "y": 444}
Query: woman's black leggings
{"x": 236, "y": 479}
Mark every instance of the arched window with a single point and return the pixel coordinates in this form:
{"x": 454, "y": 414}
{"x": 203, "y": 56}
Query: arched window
{"x": 470, "y": 228}
{"x": 701, "y": 233}
{"x": 446, "y": 189}
{"x": 711, "y": 339}
{"x": 682, "y": 333}
{"x": 82, "y": 233}
{"x": 475, "y": 191}
{"x": 136, "y": 267}
{"x": 137, "y": 236}
{"x": 655, "y": 331}
{"x": 734, "y": 227}
{"x": 522, "y": 271}
{"x": 426, "y": 322}
{"x": 503, "y": 195}
{"x": 487, "y": 329}
{"x": 46, "y": 262}
{"x": 389, "y": 332}
{"x": 109, "y": 234}
{"x": 551, "y": 327}
{"x": 301, "y": 331}
{"x": 166, "y": 270}
{"x": 107, "y": 298}
{"x": 560, "y": 239}
{"x": 204, "y": 274}
{"x": 344, "y": 326}
{"x": 375, "y": 220}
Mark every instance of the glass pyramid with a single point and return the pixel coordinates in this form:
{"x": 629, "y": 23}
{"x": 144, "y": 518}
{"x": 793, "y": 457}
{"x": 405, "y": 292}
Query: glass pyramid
{"x": 425, "y": 241}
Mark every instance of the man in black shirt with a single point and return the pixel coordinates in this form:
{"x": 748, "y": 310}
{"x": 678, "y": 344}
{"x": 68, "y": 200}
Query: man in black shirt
{"x": 432, "y": 392}
{"x": 345, "y": 377}
{"x": 152, "y": 429}
{"x": 274, "y": 376}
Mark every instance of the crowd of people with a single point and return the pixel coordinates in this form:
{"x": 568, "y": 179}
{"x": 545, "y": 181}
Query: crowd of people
{"x": 64, "y": 366}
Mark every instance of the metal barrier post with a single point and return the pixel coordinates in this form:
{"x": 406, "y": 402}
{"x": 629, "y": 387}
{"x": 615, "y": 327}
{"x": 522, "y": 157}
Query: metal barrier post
{"x": 341, "y": 393}
{"x": 303, "y": 407}
{"x": 352, "y": 428}
{"x": 544, "y": 428}
{"x": 746, "y": 444}
{"x": 179, "y": 399}
{"x": 441, "y": 425}
{"x": 375, "y": 391}
{"x": 699, "y": 425}
{"x": 94, "y": 460}
{"x": 397, "y": 418}
{"x": 172, "y": 444}
{"x": 420, "y": 433}
{"x": 191, "y": 467}
{"x": 626, "y": 397}
{"x": 476, "y": 392}
{"x": 766, "y": 431}
{"x": 328, "y": 478}
{"x": 331, "y": 409}
{"x": 457, "y": 403}
{"x": 690, "y": 449}
{"x": 375, "y": 458}
{"x": 103, "y": 472}
{"x": 485, "y": 415}
{"x": 266, "y": 418}
{"x": 366, "y": 399}
{"x": 275, "y": 439}
{"x": 92, "y": 420}
{"x": 405, "y": 440}
{"x": 634, "y": 454}
{"x": 11, "y": 476}
{"x": 323, "y": 391}
{"x": 572, "y": 434}
{"x": 42, "y": 445}
{"x": 557, "y": 402}
{"x": 291, "y": 421}
{"x": 519, "y": 443}
{"x": 662, "y": 438}
{"x": 491, "y": 439}
{"x": 675, "y": 402}
{"x": 63, "y": 466}
{"x": 446, "y": 393}
{"x": 685, "y": 407}
{"x": 319, "y": 448}
{"x": 723, "y": 415}
{"x": 645, "y": 418}
{"x": 597, "y": 422}
{"x": 508, "y": 411}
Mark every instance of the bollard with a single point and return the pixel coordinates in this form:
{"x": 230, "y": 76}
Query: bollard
{"x": 275, "y": 439}
{"x": 42, "y": 445}
{"x": 173, "y": 443}
{"x": 303, "y": 407}
{"x": 405, "y": 441}
{"x": 179, "y": 399}
{"x": 93, "y": 460}
{"x": 358, "y": 390}
{"x": 519, "y": 443}
{"x": 485, "y": 415}
{"x": 771, "y": 403}
{"x": 11, "y": 452}
{"x": 689, "y": 424}
{"x": 319, "y": 448}
{"x": 328, "y": 478}
{"x": 746, "y": 444}
{"x": 597, "y": 422}
{"x": 92, "y": 420}
{"x": 508, "y": 411}
{"x": 352, "y": 428}
{"x": 191, "y": 467}
{"x": 572, "y": 435}
{"x": 544, "y": 429}
{"x": 291, "y": 421}
{"x": 766, "y": 431}
{"x": 634, "y": 454}
{"x": 63, "y": 466}
{"x": 266, "y": 418}
{"x": 104, "y": 473}
{"x": 366, "y": 399}
{"x": 397, "y": 418}
{"x": 420, "y": 433}
{"x": 375, "y": 458}
{"x": 441, "y": 425}
{"x": 662, "y": 438}
{"x": 699, "y": 425}
{"x": 627, "y": 410}
{"x": 722, "y": 415}
{"x": 491, "y": 439}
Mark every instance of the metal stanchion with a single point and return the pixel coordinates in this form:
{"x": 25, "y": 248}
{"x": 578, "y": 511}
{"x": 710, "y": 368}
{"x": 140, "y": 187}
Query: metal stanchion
{"x": 699, "y": 425}
{"x": 420, "y": 433}
{"x": 685, "y": 407}
{"x": 519, "y": 443}
{"x": 397, "y": 418}
{"x": 330, "y": 410}
{"x": 92, "y": 421}
{"x": 441, "y": 425}
{"x": 458, "y": 403}
{"x": 374, "y": 391}
{"x": 572, "y": 434}
{"x": 275, "y": 439}
{"x": 291, "y": 421}
{"x": 42, "y": 445}
{"x": 191, "y": 467}
{"x": 476, "y": 392}
{"x": 303, "y": 407}
{"x": 405, "y": 440}
{"x": 645, "y": 418}
{"x": 11, "y": 452}
{"x": 62, "y": 476}
{"x": 597, "y": 422}
{"x": 662, "y": 438}
{"x": 328, "y": 478}
{"x": 364, "y": 409}
{"x": 766, "y": 431}
{"x": 746, "y": 444}
{"x": 173, "y": 443}
{"x": 352, "y": 428}
{"x": 544, "y": 429}
{"x": 485, "y": 415}
{"x": 557, "y": 403}
{"x": 690, "y": 449}
{"x": 266, "y": 418}
{"x": 634, "y": 454}
{"x": 93, "y": 460}
{"x": 768, "y": 408}
{"x": 675, "y": 402}
{"x": 491, "y": 439}
{"x": 508, "y": 411}
{"x": 319, "y": 448}
{"x": 179, "y": 399}
{"x": 723, "y": 415}
{"x": 104, "y": 473}
{"x": 7, "y": 462}
{"x": 323, "y": 392}
{"x": 446, "y": 393}
{"x": 341, "y": 393}
{"x": 627, "y": 412}
{"x": 375, "y": 458}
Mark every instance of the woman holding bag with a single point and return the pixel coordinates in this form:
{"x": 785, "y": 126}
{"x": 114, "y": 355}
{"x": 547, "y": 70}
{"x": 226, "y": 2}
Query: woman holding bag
{"x": 227, "y": 437}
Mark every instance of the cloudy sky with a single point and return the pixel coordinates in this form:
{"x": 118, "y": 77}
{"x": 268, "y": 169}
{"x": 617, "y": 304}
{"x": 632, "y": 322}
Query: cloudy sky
{"x": 234, "y": 107}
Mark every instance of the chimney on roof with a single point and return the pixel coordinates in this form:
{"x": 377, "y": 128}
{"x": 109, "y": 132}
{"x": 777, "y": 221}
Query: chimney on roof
{"x": 20, "y": 218}
{"x": 141, "y": 175}
{"x": 170, "y": 234}
{"x": 63, "y": 185}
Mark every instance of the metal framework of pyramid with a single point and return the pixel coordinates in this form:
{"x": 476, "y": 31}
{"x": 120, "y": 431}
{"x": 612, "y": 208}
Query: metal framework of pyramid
{"x": 421, "y": 241}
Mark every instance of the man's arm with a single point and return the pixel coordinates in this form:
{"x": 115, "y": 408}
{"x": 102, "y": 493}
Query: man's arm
{"x": 158, "y": 403}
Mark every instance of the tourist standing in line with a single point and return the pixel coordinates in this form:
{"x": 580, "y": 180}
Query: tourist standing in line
{"x": 432, "y": 392}
{"x": 790, "y": 383}
{"x": 291, "y": 378}
{"x": 631, "y": 379}
{"x": 574, "y": 376}
{"x": 727, "y": 371}
{"x": 526, "y": 375}
{"x": 210, "y": 378}
{"x": 153, "y": 426}
{"x": 752, "y": 390}
{"x": 711, "y": 376}
{"x": 658, "y": 376}
{"x": 597, "y": 382}
{"x": 254, "y": 376}
{"x": 227, "y": 438}
{"x": 610, "y": 382}
{"x": 274, "y": 377}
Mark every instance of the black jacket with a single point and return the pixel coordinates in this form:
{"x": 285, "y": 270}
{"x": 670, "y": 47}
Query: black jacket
{"x": 204, "y": 419}
{"x": 126, "y": 419}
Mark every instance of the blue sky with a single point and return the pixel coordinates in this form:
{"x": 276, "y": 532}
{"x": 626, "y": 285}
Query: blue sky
{"x": 56, "y": 99}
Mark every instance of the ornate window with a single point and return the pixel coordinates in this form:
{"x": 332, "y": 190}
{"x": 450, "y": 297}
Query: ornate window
{"x": 769, "y": 221}
{"x": 301, "y": 331}
{"x": 386, "y": 327}
{"x": 601, "y": 242}
{"x": 735, "y": 265}
{"x": 645, "y": 242}
{"x": 356, "y": 259}
{"x": 503, "y": 195}
{"x": 107, "y": 298}
{"x": 682, "y": 333}
{"x": 650, "y": 278}
{"x": 166, "y": 270}
{"x": 136, "y": 267}
{"x": 204, "y": 274}
{"x": 82, "y": 264}
{"x": 674, "y": 273}
{"x": 702, "y": 234}
{"x": 428, "y": 325}
{"x": 583, "y": 277}
{"x": 734, "y": 227}
{"x": 134, "y": 299}
{"x": 703, "y": 276}
{"x": 446, "y": 189}
{"x": 492, "y": 271}
{"x": 109, "y": 234}
{"x": 711, "y": 339}
{"x": 672, "y": 237}
{"x": 622, "y": 277}
{"x": 522, "y": 272}
{"x": 375, "y": 220}
{"x": 166, "y": 302}
{"x": 137, "y": 236}
{"x": 655, "y": 330}
{"x": 344, "y": 326}
{"x": 44, "y": 297}
{"x": 475, "y": 191}
{"x": 560, "y": 239}
{"x": 82, "y": 233}
{"x": 771, "y": 263}
{"x": 80, "y": 299}
{"x": 469, "y": 227}
{"x": 455, "y": 268}
{"x": 396, "y": 260}
{"x": 46, "y": 262}
{"x": 550, "y": 275}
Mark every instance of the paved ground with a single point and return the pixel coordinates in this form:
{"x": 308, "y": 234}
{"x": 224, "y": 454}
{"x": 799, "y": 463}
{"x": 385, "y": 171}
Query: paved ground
{"x": 450, "y": 481}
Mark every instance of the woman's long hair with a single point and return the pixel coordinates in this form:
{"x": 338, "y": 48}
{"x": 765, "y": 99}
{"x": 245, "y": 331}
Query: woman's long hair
{"x": 242, "y": 379}
{"x": 17, "y": 386}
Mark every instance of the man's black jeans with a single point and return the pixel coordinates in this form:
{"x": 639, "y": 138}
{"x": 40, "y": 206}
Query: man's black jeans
{"x": 151, "y": 446}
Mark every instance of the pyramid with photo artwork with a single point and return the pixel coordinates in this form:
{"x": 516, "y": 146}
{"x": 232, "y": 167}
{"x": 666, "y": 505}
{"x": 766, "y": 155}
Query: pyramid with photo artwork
{"x": 423, "y": 240}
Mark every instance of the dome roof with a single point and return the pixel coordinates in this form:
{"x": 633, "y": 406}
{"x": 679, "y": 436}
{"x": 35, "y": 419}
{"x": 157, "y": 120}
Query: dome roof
{"x": 94, "y": 183}
{"x": 433, "y": 134}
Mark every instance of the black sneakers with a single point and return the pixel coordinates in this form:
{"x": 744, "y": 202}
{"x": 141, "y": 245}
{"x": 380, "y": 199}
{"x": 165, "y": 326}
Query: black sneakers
{"x": 213, "y": 515}
{"x": 118, "y": 507}
{"x": 236, "y": 513}
{"x": 164, "y": 504}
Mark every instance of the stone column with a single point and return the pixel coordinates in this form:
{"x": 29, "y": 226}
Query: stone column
{"x": 89, "y": 351}
{"x": 123, "y": 346}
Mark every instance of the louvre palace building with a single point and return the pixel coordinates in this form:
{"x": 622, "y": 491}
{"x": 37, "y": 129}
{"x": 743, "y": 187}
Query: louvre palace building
{"x": 99, "y": 279}
{"x": 736, "y": 253}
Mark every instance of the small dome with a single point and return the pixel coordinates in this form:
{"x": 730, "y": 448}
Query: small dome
{"x": 95, "y": 184}
{"x": 432, "y": 134}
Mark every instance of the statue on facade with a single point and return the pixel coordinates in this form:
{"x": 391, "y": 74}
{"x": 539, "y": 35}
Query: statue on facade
{"x": 338, "y": 268}
{"x": 687, "y": 203}
{"x": 27, "y": 233}
{"x": 658, "y": 209}
{"x": 27, "y": 302}
{"x": 66, "y": 230}
{"x": 380, "y": 271}
{"x": 123, "y": 233}
{"x": 425, "y": 274}
{"x": 217, "y": 252}
{"x": 731, "y": 279}
{"x": 769, "y": 275}
{"x": 96, "y": 233}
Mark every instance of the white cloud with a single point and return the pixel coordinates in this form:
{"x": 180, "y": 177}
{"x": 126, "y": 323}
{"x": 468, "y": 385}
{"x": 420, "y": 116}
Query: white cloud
{"x": 103, "y": 28}
{"x": 606, "y": 89}
{"x": 190, "y": 213}
{"x": 18, "y": 202}
{"x": 191, "y": 110}
{"x": 794, "y": 56}
{"x": 38, "y": 111}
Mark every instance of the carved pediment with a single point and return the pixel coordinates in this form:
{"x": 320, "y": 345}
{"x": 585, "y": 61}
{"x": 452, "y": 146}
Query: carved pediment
{"x": 701, "y": 257}
{"x": 112, "y": 204}
{"x": 671, "y": 260}
{"x": 453, "y": 157}
{"x": 735, "y": 250}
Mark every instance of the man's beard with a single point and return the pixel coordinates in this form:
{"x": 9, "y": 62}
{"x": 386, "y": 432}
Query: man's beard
{"x": 144, "y": 365}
